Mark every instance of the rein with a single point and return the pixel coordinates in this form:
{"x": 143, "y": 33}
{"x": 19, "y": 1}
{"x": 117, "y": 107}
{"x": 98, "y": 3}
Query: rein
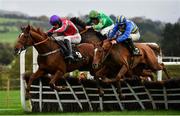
{"x": 38, "y": 43}
{"x": 83, "y": 31}
{"x": 41, "y": 42}
{"x": 48, "y": 53}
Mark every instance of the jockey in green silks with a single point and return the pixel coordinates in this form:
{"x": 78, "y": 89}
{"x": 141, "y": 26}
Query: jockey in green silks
{"x": 100, "y": 22}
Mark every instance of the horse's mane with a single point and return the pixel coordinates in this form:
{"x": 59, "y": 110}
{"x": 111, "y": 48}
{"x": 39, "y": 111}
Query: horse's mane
{"x": 39, "y": 31}
{"x": 78, "y": 22}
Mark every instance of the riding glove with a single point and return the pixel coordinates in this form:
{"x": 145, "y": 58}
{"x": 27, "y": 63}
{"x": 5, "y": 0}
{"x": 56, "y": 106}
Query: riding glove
{"x": 49, "y": 34}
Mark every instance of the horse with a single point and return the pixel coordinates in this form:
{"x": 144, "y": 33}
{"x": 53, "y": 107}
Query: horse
{"x": 50, "y": 57}
{"x": 120, "y": 62}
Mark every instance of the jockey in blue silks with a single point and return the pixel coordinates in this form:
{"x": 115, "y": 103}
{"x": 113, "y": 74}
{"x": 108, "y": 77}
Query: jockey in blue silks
{"x": 125, "y": 31}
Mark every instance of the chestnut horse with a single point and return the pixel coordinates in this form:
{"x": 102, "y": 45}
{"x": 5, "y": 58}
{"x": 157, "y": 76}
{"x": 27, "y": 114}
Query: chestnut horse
{"x": 120, "y": 62}
{"x": 50, "y": 58}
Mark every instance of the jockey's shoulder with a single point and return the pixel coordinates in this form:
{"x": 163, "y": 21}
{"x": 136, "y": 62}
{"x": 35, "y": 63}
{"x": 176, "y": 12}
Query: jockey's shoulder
{"x": 64, "y": 19}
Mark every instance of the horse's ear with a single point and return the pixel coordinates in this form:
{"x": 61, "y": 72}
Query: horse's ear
{"x": 100, "y": 43}
{"x": 22, "y": 29}
{"x": 28, "y": 28}
{"x": 39, "y": 30}
{"x": 97, "y": 44}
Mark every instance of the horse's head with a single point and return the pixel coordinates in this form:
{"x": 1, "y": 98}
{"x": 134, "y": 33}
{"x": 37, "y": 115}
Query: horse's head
{"x": 24, "y": 40}
{"x": 78, "y": 23}
{"x": 101, "y": 52}
{"x": 28, "y": 37}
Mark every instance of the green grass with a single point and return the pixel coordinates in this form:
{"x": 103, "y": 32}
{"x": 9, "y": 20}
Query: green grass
{"x": 5, "y": 20}
{"x": 174, "y": 70}
{"x": 13, "y": 30}
{"x": 10, "y": 100}
{"x": 139, "y": 112}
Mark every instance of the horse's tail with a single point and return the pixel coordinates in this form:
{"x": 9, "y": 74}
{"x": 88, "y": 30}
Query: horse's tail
{"x": 155, "y": 47}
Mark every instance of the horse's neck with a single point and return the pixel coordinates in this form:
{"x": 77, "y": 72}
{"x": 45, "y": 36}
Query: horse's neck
{"x": 86, "y": 49}
{"x": 90, "y": 37}
{"x": 36, "y": 37}
{"x": 45, "y": 46}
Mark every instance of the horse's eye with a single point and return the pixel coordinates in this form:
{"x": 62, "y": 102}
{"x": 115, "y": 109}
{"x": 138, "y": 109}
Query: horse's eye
{"x": 25, "y": 36}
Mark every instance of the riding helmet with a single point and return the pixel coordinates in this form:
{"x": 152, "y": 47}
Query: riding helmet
{"x": 54, "y": 19}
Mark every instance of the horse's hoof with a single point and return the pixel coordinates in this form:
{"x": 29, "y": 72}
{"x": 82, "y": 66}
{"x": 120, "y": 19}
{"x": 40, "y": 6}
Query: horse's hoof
{"x": 62, "y": 88}
{"x": 121, "y": 96}
{"x": 101, "y": 94}
{"x": 27, "y": 96}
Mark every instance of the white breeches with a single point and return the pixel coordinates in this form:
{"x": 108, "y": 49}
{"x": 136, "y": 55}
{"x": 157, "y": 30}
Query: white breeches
{"x": 135, "y": 37}
{"x": 74, "y": 39}
{"x": 106, "y": 30}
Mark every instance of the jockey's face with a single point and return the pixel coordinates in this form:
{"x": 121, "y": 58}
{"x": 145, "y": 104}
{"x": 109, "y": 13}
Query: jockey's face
{"x": 95, "y": 21}
{"x": 56, "y": 26}
{"x": 122, "y": 27}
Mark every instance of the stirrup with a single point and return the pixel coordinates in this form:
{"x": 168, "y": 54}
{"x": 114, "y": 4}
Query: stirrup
{"x": 136, "y": 52}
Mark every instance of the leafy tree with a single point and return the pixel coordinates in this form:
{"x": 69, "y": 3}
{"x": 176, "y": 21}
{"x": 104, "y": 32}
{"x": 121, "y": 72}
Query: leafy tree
{"x": 6, "y": 54}
{"x": 171, "y": 40}
{"x": 15, "y": 65}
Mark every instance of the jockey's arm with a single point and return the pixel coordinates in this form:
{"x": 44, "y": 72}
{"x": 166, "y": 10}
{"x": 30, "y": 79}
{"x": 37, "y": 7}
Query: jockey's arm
{"x": 51, "y": 30}
{"x": 114, "y": 30}
{"x": 100, "y": 25}
{"x": 88, "y": 22}
{"x": 62, "y": 28}
{"x": 126, "y": 34}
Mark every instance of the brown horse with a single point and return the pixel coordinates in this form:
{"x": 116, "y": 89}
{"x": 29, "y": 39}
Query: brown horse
{"x": 120, "y": 62}
{"x": 50, "y": 58}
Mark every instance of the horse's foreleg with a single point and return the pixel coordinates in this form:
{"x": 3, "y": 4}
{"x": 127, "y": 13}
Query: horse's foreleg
{"x": 58, "y": 75}
{"x": 99, "y": 76}
{"x": 100, "y": 89}
{"x": 119, "y": 76}
{"x": 34, "y": 76}
{"x": 165, "y": 71}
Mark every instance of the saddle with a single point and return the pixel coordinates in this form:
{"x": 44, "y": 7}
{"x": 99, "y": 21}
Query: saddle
{"x": 75, "y": 52}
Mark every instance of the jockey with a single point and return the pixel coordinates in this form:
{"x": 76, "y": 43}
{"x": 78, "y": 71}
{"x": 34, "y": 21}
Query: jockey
{"x": 65, "y": 31}
{"x": 125, "y": 31}
{"x": 100, "y": 22}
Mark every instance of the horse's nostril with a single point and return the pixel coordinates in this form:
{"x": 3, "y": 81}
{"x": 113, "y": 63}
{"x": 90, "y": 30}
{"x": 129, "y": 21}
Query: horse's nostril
{"x": 17, "y": 51}
{"x": 95, "y": 66}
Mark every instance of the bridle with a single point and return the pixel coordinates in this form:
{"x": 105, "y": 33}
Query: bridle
{"x": 106, "y": 55}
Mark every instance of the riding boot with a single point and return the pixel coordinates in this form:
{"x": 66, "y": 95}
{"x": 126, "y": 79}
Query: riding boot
{"x": 132, "y": 48}
{"x": 69, "y": 56}
{"x": 63, "y": 47}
